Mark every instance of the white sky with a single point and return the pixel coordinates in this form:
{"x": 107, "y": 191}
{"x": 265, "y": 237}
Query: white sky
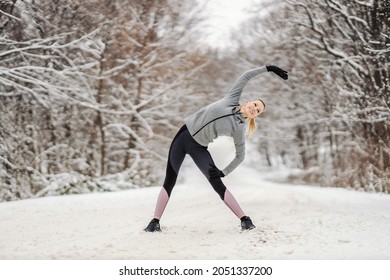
{"x": 225, "y": 15}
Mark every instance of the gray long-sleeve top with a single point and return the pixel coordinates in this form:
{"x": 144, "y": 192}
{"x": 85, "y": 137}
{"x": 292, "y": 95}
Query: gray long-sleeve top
{"x": 223, "y": 118}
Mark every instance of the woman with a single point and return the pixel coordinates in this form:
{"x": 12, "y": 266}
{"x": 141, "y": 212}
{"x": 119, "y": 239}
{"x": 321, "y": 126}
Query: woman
{"x": 224, "y": 117}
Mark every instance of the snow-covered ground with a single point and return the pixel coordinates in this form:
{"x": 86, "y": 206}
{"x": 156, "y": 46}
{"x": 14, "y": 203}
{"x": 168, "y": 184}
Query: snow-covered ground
{"x": 293, "y": 222}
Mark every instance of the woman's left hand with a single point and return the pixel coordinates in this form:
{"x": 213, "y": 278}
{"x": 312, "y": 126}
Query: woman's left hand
{"x": 280, "y": 72}
{"x": 214, "y": 172}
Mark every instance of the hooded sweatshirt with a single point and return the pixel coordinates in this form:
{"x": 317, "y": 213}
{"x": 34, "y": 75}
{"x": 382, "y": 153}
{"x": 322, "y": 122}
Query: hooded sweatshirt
{"x": 223, "y": 118}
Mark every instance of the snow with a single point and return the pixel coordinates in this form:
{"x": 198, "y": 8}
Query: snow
{"x": 293, "y": 222}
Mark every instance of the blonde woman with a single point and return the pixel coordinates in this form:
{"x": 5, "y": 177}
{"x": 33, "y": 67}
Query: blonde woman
{"x": 224, "y": 117}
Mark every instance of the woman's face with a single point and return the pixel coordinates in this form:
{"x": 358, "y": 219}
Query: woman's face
{"x": 252, "y": 109}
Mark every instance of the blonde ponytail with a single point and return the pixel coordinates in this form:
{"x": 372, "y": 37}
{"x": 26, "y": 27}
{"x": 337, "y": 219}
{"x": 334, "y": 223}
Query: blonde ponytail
{"x": 252, "y": 127}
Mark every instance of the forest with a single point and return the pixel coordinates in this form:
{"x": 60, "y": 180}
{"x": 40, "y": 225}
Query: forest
{"x": 92, "y": 92}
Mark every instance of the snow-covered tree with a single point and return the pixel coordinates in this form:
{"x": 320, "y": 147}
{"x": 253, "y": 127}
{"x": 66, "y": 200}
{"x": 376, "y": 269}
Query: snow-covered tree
{"x": 91, "y": 88}
{"x": 352, "y": 37}
{"x": 332, "y": 117}
{"x": 40, "y": 78}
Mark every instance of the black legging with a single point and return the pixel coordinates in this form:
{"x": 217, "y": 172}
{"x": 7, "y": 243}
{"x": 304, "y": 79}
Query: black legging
{"x": 183, "y": 144}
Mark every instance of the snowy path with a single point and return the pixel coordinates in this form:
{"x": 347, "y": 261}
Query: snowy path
{"x": 293, "y": 222}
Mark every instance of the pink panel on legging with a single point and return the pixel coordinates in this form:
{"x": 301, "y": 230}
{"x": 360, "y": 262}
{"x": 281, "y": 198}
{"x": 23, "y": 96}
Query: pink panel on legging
{"x": 161, "y": 203}
{"x": 232, "y": 203}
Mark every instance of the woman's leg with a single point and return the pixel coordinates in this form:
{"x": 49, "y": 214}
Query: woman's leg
{"x": 204, "y": 161}
{"x": 162, "y": 202}
{"x": 175, "y": 159}
{"x": 232, "y": 203}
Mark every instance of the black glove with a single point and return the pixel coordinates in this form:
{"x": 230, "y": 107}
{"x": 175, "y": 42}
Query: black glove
{"x": 214, "y": 172}
{"x": 280, "y": 72}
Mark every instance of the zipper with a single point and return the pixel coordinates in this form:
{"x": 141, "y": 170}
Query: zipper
{"x": 211, "y": 122}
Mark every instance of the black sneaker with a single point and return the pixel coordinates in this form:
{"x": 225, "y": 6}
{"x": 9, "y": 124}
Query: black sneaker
{"x": 153, "y": 226}
{"x": 246, "y": 223}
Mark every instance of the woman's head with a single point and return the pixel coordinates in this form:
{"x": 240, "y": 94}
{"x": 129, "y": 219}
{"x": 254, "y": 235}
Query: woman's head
{"x": 250, "y": 110}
